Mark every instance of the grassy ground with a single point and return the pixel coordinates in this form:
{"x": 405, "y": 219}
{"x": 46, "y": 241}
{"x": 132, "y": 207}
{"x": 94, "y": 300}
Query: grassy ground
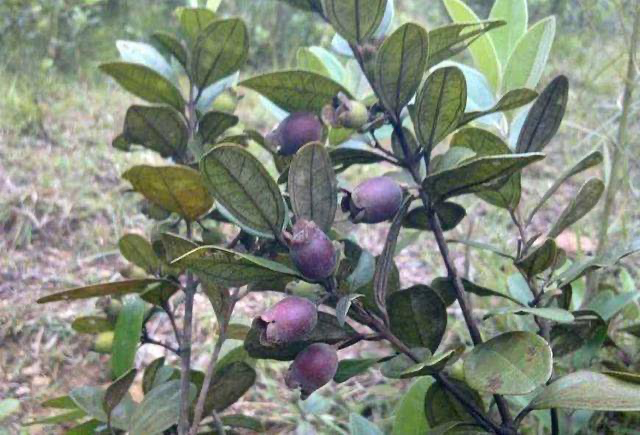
{"x": 63, "y": 208}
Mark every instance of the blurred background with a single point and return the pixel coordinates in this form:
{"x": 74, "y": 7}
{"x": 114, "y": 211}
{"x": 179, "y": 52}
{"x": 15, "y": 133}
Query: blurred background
{"x": 63, "y": 206}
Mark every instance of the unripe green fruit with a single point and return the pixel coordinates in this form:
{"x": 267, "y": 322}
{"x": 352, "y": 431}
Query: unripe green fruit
{"x": 313, "y": 367}
{"x": 296, "y": 130}
{"x": 312, "y": 251}
{"x": 225, "y": 102}
{"x": 103, "y": 342}
{"x": 375, "y": 200}
{"x": 354, "y": 115}
{"x": 289, "y": 320}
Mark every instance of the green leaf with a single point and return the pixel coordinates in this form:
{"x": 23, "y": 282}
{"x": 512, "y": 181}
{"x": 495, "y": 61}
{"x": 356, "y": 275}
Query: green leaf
{"x": 516, "y": 14}
{"x": 313, "y": 186}
{"x": 358, "y": 425}
{"x": 213, "y": 124}
{"x": 193, "y": 21}
{"x": 589, "y": 161}
{"x": 354, "y": 20}
{"x": 412, "y": 142}
{"x": 91, "y": 324}
{"x": 440, "y": 106}
{"x": 477, "y": 174}
{"x": 409, "y": 416}
{"x": 221, "y": 49}
{"x": 433, "y": 364}
{"x": 418, "y": 316}
{"x": 150, "y": 372}
{"x": 307, "y": 60}
{"x": 540, "y": 259}
{"x": 607, "y": 304}
{"x": 556, "y": 314}
{"x": 395, "y": 367}
{"x": 400, "y": 65}
{"x": 107, "y": 289}
{"x": 90, "y": 399}
{"x": 245, "y": 189}
{"x": 348, "y": 368}
{"x": 343, "y": 305}
{"x": 343, "y": 158}
{"x": 295, "y": 90}
{"x": 529, "y": 57}
{"x": 117, "y": 391}
{"x": 145, "y": 83}
{"x": 446, "y": 291}
{"x": 159, "y": 410}
{"x": 442, "y": 407}
{"x": 62, "y": 402}
{"x": 173, "y": 46}
{"x": 229, "y": 383}
{"x": 447, "y": 41}
{"x": 511, "y": 363}
{"x": 89, "y": 427}
{"x": 545, "y": 117}
{"x": 137, "y": 250}
{"x": 178, "y": 189}
{"x": 513, "y": 99}
{"x": 586, "y": 199}
{"x": 127, "y": 336}
{"x": 57, "y": 419}
{"x": 144, "y": 54}
{"x": 589, "y": 390}
{"x": 482, "y": 49}
{"x": 327, "y": 330}
{"x": 450, "y": 214}
{"x": 306, "y": 5}
{"x": 243, "y": 422}
{"x": 161, "y": 129}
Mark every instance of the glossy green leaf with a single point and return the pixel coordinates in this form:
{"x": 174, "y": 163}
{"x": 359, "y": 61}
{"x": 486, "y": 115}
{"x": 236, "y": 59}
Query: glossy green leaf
{"x": 348, "y": 368}
{"x": 586, "y": 199}
{"x": 400, "y": 65}
{"x": 418, "y": 316}
{"x": 159, "y": 410}
{"x": 327, "y": 330}
{"x": 145, "y": 83}
{"x": 144, "y": 54}
{"x": 221, "y": 49}
{"x": 178, "y": 189}
{"x": 440, "y": 106}
{"x": 313, "y": 186}
{"x": 545, "y": 117}
{"x": 62, "y": 402}
{"x": 245, "y": 189}
{"x": 446, "y": 291}
{"x": 434, "y": 363}
{"x": 160, "y": 129}
{"x": 127, "y": 336}
{"x": 529, "y": 57}
{"x": 589, "y": 390}
{"x": 477, "y": 174}
{"x": 117, "y": 391}
{"x": 556, "y": 314}
{"x": 354, "y": 20}
{"x": 395, "y": 367}
{"x": 511, "y": 363}
{"x": 150, "y": 372}
{"x": 441, "y": 407}
{"x": 409, "y": 416}
{"x": 91, "y": 324}
{"x": 193, "y": 21}
{"x": 592, "y": 159}
{"x": 483, "y": 52}
{"x": 107, "y": 289}
{"x": 295, "y": 90}
{"x": 358, "y": 425}
{"x": 447, "y": 41}
{"x": 90, "y": 399}
{"x": 513, "y": 99}
{"x": 516, "y": 14}
{"x": 607, "y": 304}
{"x": 229, "y": 383}
{"x": 137, "y": 250}
{"x": 213, "y": 124}
{"x": 450, "y": 214}
{"x": 173, "y": 46}
{"x": 540, "y": 259}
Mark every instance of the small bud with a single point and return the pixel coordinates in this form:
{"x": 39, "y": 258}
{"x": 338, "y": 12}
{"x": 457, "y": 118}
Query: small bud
{"x": 313, "y": 367}
{"x": 296, "y": 130}
{"x": 312, "y": 251}
{"x": 375, "y": 200}
{"x": 103, "y": 342}
{"x": 289, "y": 320}
{"x": 225, "y": 102}
{"x": 346, "y": 113}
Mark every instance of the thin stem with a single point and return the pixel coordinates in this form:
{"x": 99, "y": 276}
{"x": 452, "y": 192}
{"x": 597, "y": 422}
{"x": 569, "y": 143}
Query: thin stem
{"x": 172, "y": 319}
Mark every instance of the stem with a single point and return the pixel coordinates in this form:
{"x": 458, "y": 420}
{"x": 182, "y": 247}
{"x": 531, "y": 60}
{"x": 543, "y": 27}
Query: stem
{"x": 617, "y": 174}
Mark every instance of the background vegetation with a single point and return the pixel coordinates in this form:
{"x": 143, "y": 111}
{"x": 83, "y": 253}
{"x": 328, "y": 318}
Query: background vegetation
{"x": 61, "y": 212}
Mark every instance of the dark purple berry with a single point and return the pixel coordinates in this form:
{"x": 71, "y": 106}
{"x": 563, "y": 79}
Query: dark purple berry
{"x": 313, "y": 367}
{"x": 296, "y": 130}
{"x": 289, "y": 320}
{"x": 312, "y": 251}
{"x": 375, "y": 200}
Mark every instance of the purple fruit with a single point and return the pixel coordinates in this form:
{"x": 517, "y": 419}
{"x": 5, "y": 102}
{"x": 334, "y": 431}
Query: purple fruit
{"x": 313, "y": 367}
{"x": 312, "y": 251}
{"x": 289, "y": 320}
{"x": 375, "y": 200}
{"x": 296, "y": 130}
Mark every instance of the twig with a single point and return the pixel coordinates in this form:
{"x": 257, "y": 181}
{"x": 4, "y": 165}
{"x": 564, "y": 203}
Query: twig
{"x": 172, "y": 319}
